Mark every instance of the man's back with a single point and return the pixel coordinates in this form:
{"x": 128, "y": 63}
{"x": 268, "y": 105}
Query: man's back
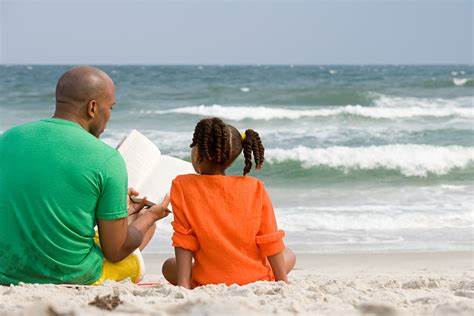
{"x": 56, "y": 179}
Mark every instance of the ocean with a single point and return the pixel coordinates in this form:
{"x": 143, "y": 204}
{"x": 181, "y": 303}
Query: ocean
{"x": 358, "y": 158}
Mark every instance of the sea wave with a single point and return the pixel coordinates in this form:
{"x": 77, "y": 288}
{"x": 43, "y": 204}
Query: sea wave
{"x": 461, "y": 81}
{"x": 385, "y": 107}
{"x": 371, "y": 217}
{"x": 165, "y": 140}
{"x": 239, "y": 113}
{"x": 409, "y": 159}
{"x": 382, "y": 100}
{"x": 374, "y": 217}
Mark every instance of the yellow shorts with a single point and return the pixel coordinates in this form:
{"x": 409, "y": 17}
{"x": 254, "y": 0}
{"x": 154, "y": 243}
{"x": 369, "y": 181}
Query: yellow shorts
{"x": 132, "y": 267}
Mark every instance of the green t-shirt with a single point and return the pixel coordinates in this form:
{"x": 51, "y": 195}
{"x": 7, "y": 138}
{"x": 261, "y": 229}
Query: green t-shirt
{"x": 56, "y": 179}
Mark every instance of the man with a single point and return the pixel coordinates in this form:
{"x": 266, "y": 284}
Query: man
{"x": 57, "y": 181}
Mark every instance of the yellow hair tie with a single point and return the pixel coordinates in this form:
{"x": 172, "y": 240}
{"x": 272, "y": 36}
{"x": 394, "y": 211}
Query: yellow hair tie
{"x": 244, "y": 135}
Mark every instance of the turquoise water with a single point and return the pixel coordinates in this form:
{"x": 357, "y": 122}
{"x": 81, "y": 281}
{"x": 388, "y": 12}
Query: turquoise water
{"x": 359, "y": 158}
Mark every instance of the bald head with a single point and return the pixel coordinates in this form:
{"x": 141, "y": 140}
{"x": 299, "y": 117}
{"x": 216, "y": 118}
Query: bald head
{"x": 85, "y": 95}
{"x": 81, "y": 84}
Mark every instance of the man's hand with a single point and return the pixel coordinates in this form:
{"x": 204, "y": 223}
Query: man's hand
{"x": 161, "y": 210}
{"x": 134, "y": 208}
{"x": 118, "y": 239}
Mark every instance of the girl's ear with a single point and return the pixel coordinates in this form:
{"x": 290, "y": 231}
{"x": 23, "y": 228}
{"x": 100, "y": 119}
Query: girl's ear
{"x": 196, "y": 155}
{"x": 195, "y": 159}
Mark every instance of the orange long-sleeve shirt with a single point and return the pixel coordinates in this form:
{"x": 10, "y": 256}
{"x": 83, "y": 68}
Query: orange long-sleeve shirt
{"x": 229, "y": 224}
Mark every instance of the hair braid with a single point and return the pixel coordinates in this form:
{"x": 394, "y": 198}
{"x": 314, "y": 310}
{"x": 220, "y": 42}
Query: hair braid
{"x": 207, "y": 142}
{"x": 217, "y": 132}
{"x": 252, "y": 144}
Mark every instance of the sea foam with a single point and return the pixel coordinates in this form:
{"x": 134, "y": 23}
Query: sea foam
{"x": 460, "y": 81}
{"x": 385, "y": 108}
{"x": 382, "y": 100}
{"x": 410, "y": 160}
{"x": 373, "y": 217}
{"x": 268, "y": 113}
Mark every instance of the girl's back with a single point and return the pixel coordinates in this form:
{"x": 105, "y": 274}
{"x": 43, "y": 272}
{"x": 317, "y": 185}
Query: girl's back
{"x": 229, "y": 224}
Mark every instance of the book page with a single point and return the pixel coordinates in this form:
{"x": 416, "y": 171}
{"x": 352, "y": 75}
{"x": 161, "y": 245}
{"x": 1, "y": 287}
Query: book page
{"x": 140, "y": 156}
{"x": 158, "y": 182}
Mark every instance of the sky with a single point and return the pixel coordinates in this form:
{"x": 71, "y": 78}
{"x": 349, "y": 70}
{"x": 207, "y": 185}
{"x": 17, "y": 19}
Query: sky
{"x": 236, "y": 32}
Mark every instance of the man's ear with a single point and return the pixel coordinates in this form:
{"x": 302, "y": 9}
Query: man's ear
{"x": 91, "y": 108}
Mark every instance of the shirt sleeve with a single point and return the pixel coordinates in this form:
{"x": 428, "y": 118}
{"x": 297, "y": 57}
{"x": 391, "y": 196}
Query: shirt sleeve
{"x": 269, "y": 238}
{"x": 112, "y": 203}
{"x": 183, "y": 235}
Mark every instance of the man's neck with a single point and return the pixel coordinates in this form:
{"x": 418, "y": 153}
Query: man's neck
{"x": 71, "y": 117}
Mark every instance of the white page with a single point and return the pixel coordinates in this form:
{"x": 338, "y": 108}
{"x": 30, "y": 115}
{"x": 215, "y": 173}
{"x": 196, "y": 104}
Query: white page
{"x": 158, "y": 182}
{"x": 140, "y": 155}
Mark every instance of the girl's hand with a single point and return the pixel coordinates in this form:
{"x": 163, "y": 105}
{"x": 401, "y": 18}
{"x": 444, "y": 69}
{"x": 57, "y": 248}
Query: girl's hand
{"x": 160, "y": 210}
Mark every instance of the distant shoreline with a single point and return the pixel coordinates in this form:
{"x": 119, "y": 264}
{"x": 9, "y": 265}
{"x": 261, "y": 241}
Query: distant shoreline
{"x": 243, "y": 65}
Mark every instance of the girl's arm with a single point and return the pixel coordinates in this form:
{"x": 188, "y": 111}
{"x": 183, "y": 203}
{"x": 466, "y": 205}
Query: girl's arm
{"x": 184, "y": 262}
{"x": 269, "y": 239}
{"x": 277, "y": 262}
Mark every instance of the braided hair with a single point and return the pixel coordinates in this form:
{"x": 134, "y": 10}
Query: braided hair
{"x": 221, "y": 143}
{"x": 252, "y": 144}
{"x": 212, "y": 138}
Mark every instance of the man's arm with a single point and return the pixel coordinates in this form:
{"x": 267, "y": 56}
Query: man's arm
{"x": 118, "y": 239}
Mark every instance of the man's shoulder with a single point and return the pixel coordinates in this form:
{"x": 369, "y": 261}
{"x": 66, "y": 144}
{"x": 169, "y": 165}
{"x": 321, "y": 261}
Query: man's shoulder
{"x": 60, "y": 137}
{"x": 22, "y": 128}
{"x": 20, "y": 133}
{"x": 108, "y": 151}
{"x": 107, "y": 157}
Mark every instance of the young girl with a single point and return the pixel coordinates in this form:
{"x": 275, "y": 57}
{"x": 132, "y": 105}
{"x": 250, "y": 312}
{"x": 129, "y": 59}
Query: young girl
{"x": 226, "y": 223}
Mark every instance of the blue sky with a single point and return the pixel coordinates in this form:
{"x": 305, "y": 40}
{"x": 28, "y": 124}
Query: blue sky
{"x": 236, "y": 32}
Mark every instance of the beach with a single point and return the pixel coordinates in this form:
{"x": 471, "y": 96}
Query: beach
{"x": 415, "y": 283}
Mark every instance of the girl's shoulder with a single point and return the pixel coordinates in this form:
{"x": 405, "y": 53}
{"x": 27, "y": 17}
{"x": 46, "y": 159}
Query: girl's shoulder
{"x": 245, "y": 183}
{"x": 184, "y": 179}
{"x": 190, "y": 178}
{"x": 248, "y": 179}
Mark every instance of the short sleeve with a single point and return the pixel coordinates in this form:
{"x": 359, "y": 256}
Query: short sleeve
{"x": 183, "y": 235}
{"x": 269, "y": 238}
{"x": 112, "y": 203}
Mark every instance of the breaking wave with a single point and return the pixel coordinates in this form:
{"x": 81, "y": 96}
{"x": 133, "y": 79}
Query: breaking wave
{"x": 410, "y": 160}
{"x": 385, "y": 107}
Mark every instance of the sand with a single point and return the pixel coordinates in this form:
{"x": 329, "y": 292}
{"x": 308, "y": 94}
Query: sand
{"x": 347, "y": 284}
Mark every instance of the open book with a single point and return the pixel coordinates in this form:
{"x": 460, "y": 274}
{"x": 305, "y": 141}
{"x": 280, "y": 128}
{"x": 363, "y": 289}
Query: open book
{"x": 150, "y": 172}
